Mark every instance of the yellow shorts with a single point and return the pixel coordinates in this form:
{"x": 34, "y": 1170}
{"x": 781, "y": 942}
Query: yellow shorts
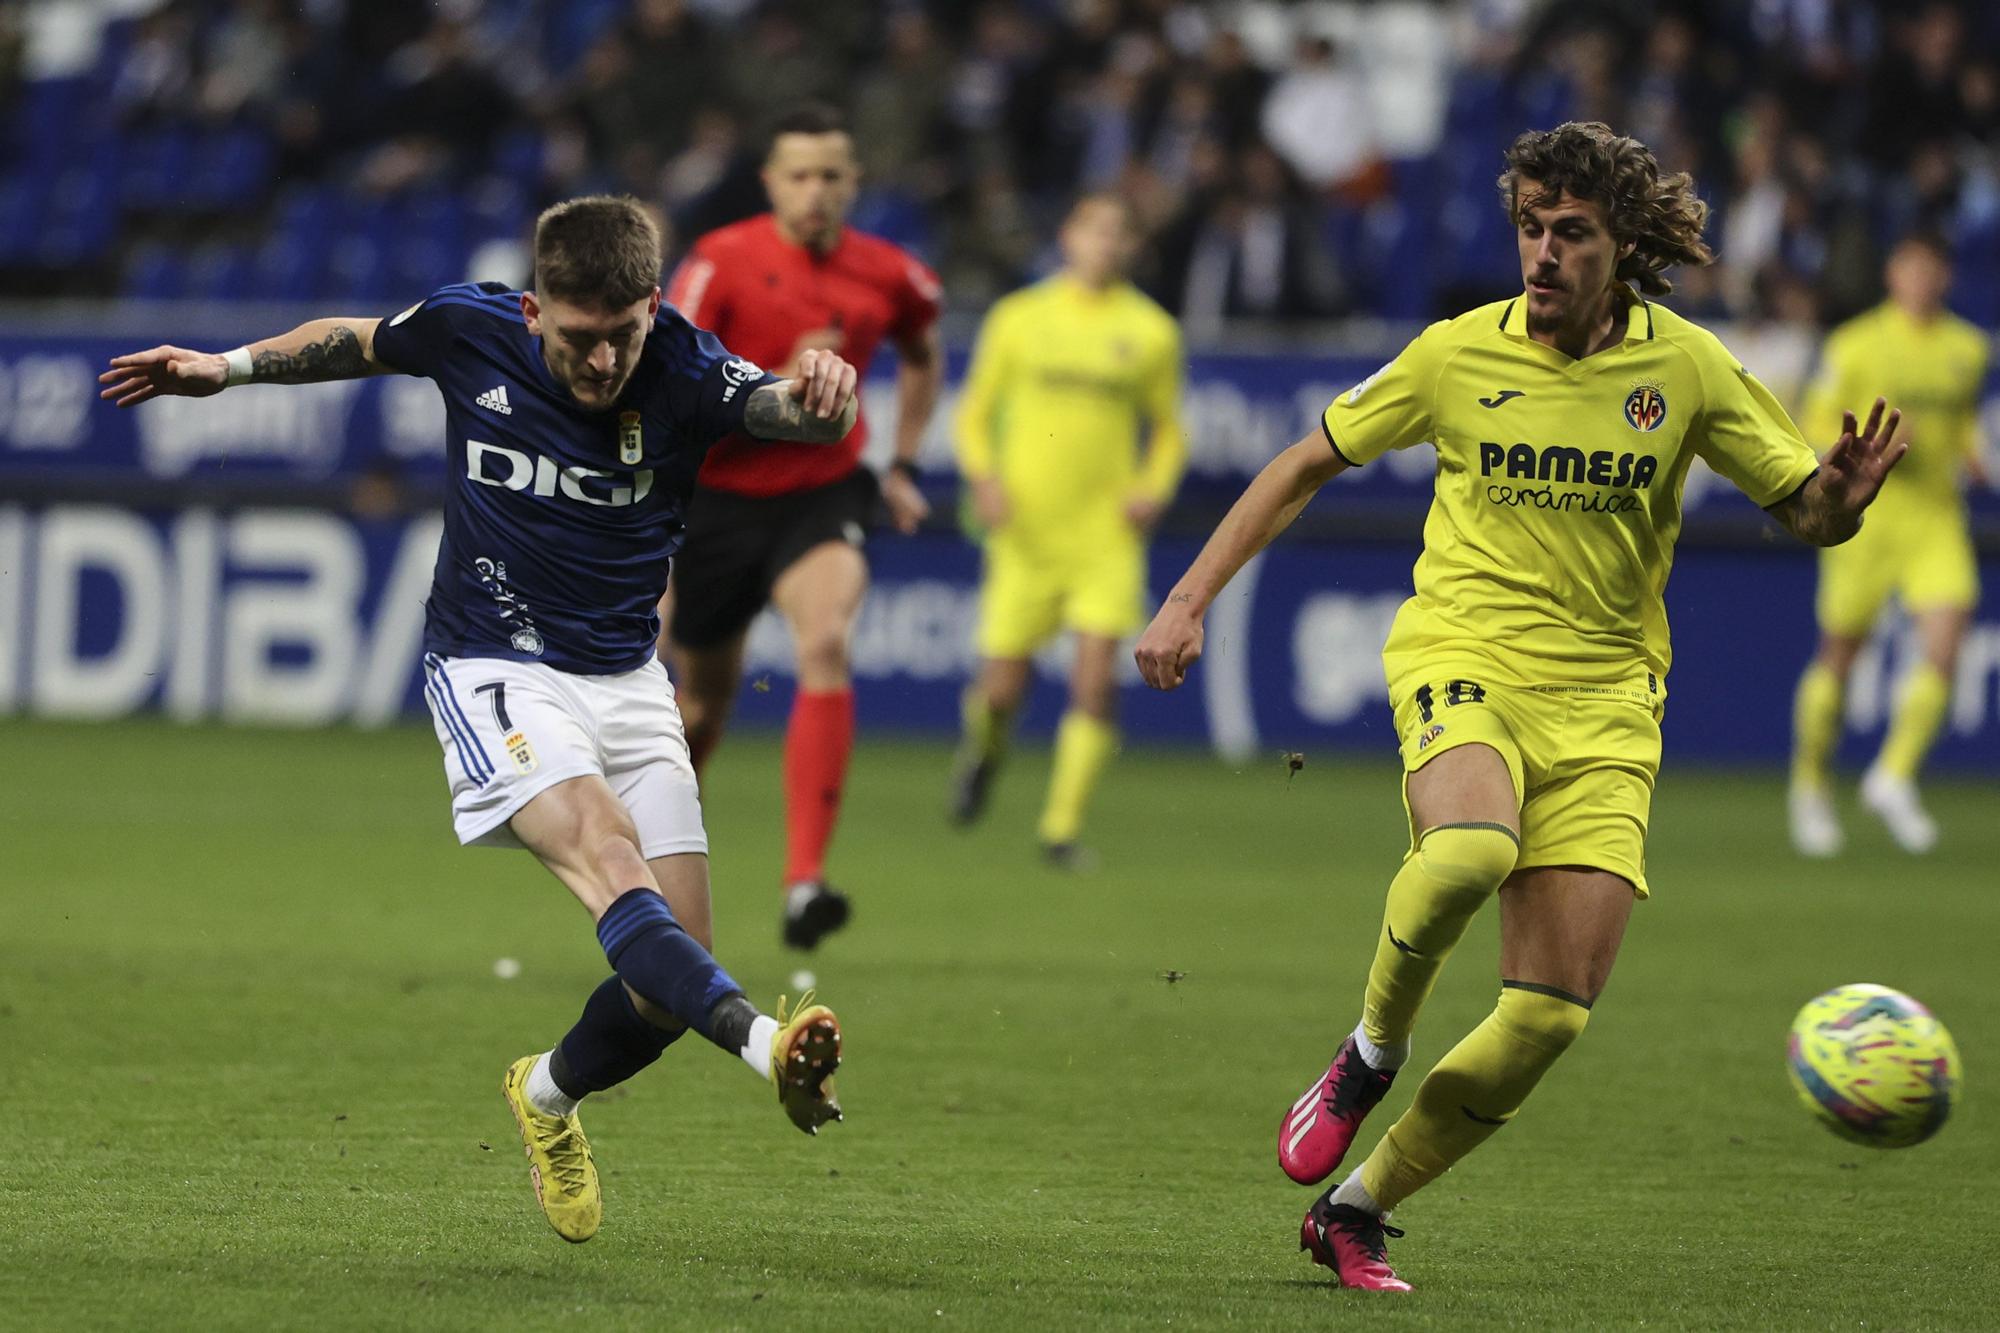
{"x": 1028, "y": 596}
{"x": 1583, "y": 759}
{"x": 1926, "y": 560}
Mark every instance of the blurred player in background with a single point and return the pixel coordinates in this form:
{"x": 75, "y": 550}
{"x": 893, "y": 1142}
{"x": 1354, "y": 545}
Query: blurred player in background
{"x": 1917, "y": 545}
{"x": 785, "y": 525}
{"x": 1527, "y": 673}
{"x": 1066, "y": 485}
{"x": 576, "y": 415}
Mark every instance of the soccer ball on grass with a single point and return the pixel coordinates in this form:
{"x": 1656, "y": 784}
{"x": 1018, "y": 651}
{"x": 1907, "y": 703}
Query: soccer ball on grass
{"x": 1873, "y": 1066}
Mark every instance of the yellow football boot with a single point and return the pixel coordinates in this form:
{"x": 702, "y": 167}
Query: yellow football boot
{"x": 804, "y": 1053}
{"x": 558, "y": 1160}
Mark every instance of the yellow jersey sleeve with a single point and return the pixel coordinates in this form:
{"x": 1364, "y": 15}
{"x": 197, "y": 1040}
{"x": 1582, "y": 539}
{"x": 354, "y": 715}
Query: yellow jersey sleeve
{"x": 1166, "y": 451}
{"x": 979, "y": 401}
{"x": 1392, "y": 408}
{"x": 1745, "y": 435}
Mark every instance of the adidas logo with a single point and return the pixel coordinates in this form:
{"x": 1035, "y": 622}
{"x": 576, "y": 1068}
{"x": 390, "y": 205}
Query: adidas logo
{"x": 495, "y": 400}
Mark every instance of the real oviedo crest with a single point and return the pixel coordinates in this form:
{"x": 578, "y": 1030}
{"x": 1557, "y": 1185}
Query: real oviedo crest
{"x": 1645, "y": 408}
{"x": 632, "y": 440}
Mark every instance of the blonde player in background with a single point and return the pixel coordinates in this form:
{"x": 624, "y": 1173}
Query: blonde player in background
{"x": 1917, "y": 545}
{"x": 1070, "y": 442}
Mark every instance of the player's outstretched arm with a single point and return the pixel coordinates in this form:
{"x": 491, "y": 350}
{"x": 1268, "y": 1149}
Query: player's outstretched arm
{"x": 1173, "y": 642}
{"x": 322, "y": 349}
{"x": 817, "y": 405}
{"x": 1826, "y": 511}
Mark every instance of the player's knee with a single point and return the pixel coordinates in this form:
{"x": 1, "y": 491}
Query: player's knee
{"x": 1468, "y": 862}
{"x": 1541, "y": 1016}
{"x": 822, "y": 651}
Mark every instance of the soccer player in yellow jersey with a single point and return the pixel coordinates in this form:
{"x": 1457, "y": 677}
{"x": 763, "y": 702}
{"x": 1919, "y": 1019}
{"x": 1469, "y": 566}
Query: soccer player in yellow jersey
{"x": 1917, "y": 544}
{"x": 1069, "y": 436}
{"x": 1527, "y": 673}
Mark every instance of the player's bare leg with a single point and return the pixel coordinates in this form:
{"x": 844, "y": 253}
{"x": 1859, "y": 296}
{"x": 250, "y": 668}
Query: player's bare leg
{"x": 988, "y": 709}
{"x": 1085, "y": 741}
{"x": 819, "y": 595}
{"x": 665, "y": 982}
{"x": 1816, "y": 714}
{"x": 705, "y": 684}
{"x": 1890, "y": 787}
{"x": 1465, "y": 805}
{"x": 1560, "y": 930}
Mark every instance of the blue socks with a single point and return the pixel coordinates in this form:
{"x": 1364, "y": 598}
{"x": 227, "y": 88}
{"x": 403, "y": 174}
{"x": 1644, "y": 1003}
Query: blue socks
{"x": 610, "y": 1043}
{"x": 661, "y": 961}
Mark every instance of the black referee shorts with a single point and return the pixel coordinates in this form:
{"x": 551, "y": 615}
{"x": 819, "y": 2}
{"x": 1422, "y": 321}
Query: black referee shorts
{"x": 738, "y": 545}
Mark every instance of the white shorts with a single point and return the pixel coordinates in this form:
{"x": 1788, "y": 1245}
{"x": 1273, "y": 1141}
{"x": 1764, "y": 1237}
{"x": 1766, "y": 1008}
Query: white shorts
{"x": 512, "y": 730}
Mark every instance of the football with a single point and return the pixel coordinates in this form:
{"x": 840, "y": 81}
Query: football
{"x": 1873, "y": 1065}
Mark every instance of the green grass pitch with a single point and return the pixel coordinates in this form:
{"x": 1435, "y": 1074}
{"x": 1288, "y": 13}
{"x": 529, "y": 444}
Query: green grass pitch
{"x": 254, "y": 1040}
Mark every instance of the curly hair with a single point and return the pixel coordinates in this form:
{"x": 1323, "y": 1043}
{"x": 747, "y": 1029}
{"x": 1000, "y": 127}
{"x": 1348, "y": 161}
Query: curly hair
{"x": 1659, "y": 213}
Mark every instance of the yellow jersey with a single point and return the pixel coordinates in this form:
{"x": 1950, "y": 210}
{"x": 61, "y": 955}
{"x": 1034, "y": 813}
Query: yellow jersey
{"x": 1558, "y": 500}
{"x": 1933, "y": 371}
{"x": 1061, "y": 379}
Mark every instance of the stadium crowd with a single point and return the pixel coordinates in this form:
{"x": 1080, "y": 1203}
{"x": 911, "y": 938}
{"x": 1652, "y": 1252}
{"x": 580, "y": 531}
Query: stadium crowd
{"x": 1289, "y": 161}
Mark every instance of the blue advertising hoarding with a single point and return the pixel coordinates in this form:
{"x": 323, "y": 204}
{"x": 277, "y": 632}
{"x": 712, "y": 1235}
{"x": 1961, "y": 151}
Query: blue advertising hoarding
{"x": 308, "y": 617}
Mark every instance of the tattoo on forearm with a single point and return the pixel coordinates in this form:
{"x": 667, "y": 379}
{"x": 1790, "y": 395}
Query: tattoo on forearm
{"x": 337, "y": 356}
{"x": 773, "y": 414}
{"x": 1181, "y": 597}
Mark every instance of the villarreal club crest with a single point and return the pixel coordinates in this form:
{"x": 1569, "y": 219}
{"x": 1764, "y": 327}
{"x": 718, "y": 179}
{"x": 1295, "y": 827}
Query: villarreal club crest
{"x": 1645, "y": 408}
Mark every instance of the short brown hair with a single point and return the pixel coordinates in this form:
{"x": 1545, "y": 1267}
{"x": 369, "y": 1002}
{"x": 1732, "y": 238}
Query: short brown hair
{"x": 1660, "y": 214}
{"x": 601, "y": 250}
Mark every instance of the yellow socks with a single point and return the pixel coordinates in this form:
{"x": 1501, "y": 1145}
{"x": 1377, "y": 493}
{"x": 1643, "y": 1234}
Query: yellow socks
{"x": 1440, "y": 888}
{"x": 1474, "y": 1090}
{"x": 1919, "y": 713}
{"x": 1083, "y": 746}
{"x": 1815, "y": 725}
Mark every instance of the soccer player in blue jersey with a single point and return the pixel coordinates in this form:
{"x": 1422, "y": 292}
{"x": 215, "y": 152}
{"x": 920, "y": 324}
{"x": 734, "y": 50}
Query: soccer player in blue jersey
{"x": 576, "y": 417}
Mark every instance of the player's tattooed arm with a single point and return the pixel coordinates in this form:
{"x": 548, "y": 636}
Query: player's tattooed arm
{"x": 324, "y": 349}
{"x": 816, "y": 406}
{"x": 1827, "y": 510}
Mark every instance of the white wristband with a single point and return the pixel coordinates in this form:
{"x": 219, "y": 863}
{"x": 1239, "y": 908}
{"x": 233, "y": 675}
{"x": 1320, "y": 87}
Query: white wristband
{"x": 239, "y": 367}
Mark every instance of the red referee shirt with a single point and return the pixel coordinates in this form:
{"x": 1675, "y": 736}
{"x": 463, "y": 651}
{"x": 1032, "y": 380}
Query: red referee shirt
{"x": 759, "y": 293}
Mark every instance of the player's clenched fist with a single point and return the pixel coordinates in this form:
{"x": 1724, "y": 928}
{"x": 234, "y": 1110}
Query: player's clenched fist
{"x": 824, "y": 384}
{"x": 1170, "y": 645}
{"x": 137, "y": 376}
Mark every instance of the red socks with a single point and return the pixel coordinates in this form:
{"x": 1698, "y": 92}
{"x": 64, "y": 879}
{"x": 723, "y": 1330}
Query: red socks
{"x": 817, "y": 744}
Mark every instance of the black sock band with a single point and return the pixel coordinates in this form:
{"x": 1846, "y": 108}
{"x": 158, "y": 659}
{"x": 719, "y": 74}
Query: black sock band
{"x": 729, "y": 1022}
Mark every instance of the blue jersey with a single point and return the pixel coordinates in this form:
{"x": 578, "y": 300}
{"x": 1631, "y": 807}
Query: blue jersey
{"x": 559, "y": 523}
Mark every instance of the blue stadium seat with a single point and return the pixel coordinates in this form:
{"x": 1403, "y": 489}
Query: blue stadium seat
{"x": 156, "y": 170}
{"x": 154, "y": 272}
{"x": 429, "y": 248}
{"x": 232, "y": 168}
{"x": 48, "y": 118}
{"x": 220, "y": 273}
{"x": 357, "y": 269}
{"x": 286, "y": 269}
{"x": 24, "y": 198}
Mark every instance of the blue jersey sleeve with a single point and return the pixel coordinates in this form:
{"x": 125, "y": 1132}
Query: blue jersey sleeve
{"x": 708, "y": 384}
{"x": 416, "y": 341}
